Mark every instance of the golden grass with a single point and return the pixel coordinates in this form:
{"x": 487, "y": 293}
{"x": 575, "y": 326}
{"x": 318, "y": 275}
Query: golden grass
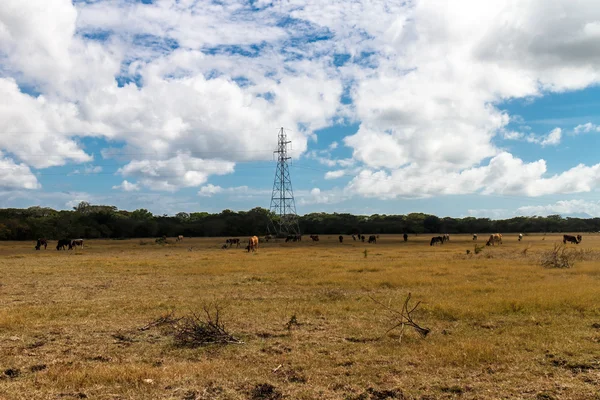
{"x": 502, "y": 326}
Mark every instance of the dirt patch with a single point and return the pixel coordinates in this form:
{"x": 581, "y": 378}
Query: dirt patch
{"x": 374, "y": 394}
{"x": 38, "y": 367}
{"x": 12, "y": 372}
{"x": 265, "y": 391}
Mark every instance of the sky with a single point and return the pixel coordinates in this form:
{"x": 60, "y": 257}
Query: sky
{"x": 462, "y": 108}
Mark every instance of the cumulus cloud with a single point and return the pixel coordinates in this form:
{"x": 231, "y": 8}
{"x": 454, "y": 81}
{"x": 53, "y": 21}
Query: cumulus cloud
{"x": 210, "y": 190}
{"x": 564, "y": 207}
{"x": 182, "y": 170}
{"x": 127, "y": 186}
{"x": 193, "y": 89}
{"x": 16, "y": 176}
{"x": 504, "y": 174}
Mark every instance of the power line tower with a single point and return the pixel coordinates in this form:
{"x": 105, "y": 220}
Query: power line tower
{"x": 282, "y": 199}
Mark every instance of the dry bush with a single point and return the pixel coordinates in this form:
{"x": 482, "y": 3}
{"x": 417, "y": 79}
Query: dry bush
{"x": 195, "y": 331}
{"x": 560, "y": 257}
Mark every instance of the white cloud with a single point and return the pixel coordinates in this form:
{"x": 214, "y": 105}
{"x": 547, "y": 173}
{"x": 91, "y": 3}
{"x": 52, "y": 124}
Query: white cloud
{"x": 210, "y": 190}
{"x": 564, "y": 207}
{"x": 586, "y": 128}
{"x": 127, "y": 186}
{"x": 318, "y": 196}
{"x": 333, "y": 146}
{"x": 504, "y": 174}
{"x": 176, "y": 172}
{"x": 16, "y": 176}
{"x": 335, "y": 174}
{"x": 425, "y": 81}
{"x": 89, "y": 169}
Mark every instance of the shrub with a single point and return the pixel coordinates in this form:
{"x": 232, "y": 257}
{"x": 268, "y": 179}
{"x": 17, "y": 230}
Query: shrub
{"x": 560, "y": 257}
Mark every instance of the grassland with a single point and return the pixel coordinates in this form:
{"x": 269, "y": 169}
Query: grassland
{"x": 501, "y": 325}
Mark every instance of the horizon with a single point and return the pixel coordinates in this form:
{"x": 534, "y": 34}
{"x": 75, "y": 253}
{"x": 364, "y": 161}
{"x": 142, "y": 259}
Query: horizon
{"x": 479, "y": 109}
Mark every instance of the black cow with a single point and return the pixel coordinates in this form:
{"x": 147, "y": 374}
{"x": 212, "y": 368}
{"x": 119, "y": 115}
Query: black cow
{"x": 372, "y": 239}
{"x": 231, "y": 242}
{"x": 571, "y": 239}
{"x": 341, "y": 239}
{"x": 436, "y": 239}
{"x": 315, "y": 238}
{"x": 40, "y": 243}
{"x": 405, "y": 236}
{"x": 362, "y": 238}
{"x": 63, "y": 244}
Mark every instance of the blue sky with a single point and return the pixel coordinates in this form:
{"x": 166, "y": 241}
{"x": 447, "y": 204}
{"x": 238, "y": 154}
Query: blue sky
{"x": 392, "y": 107}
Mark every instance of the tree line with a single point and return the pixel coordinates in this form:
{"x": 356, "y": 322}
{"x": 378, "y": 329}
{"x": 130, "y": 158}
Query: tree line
{"x": 99, "y": 221}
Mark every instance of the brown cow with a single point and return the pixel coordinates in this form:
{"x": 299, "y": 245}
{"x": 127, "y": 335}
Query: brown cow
{"x": 494, "y": 238}
{"x": 252, "y": 244}
{"x": 77, "y": 242}
{"x": 179, "y": 238}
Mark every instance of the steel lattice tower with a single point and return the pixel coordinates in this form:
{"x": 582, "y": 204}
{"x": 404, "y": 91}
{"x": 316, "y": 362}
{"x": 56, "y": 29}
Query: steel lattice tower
{"x": 282, "y": 199}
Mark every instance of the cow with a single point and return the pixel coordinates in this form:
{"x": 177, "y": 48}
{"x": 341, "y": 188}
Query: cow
{"x": 494, "y": 238}
{"x": 354, "y": 237}
{"x": 179, "y": 238}
{"x": 362, "y": 238}
{"x": 252, "y": 244}
{"x": 405, "y": 236}
{"x": 315, "y": 238}
{"x": 77, "y": 242}
{"x": 372, "y": 239}
{"x": 63, "y": 244}
{"x": 40, "y": 243}
{"x": 231, "y": 242}
{"x": 474, "y": 236}
{"x": 520, "y": 237}
{"x": 446, "y": 237}
{"x": 571, "y": 239}
{"x": 436, "y": 239}
{"x": 341, "y": 239}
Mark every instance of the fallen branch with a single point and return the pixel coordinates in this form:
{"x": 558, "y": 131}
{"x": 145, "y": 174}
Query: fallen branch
{"x": 404, "y": 318}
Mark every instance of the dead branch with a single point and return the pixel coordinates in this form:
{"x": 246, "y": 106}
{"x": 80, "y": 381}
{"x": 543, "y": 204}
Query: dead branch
{"x": 404, "y": 317}
{"x": 167, "y": 319}
{"x": 194, "y": 331}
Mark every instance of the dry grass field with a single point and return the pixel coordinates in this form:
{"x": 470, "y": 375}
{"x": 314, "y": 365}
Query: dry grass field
{"x": 502, "y": 326}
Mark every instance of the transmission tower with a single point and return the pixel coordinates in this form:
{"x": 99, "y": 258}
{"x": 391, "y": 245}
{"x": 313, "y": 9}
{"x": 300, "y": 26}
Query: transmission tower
{"x": 282, "y": 199}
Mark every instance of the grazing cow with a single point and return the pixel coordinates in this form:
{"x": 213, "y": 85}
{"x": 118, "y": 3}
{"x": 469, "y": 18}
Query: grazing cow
{"x": 362, "y": 238}
{"x": 341, "y": 239}
{"x": 520, "y": 237}
{"x": 405, "y": 236}
{"x": 252, "y": 244}
{"x": 571, "y": 239}
{"x": 474, "y": 236}
{"x": 40, "y": 243}
{"x": 315, "y": 238}
{"x": 354, "y": 237}
{"x": 63, "y": 244}
{"x": 372, "y": 239}
{"x": 446, "y": 237}
{"x": 494, "y": 238}
{"x": 436, "y": 239}
{"x": 77, "y": 242}
{"x": 231, "y": 242}
{"x": 179, "y": 238}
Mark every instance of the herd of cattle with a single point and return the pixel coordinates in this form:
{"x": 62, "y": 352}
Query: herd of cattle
{"x": 62, "y": 244}
{"x": 253, "y": 241}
